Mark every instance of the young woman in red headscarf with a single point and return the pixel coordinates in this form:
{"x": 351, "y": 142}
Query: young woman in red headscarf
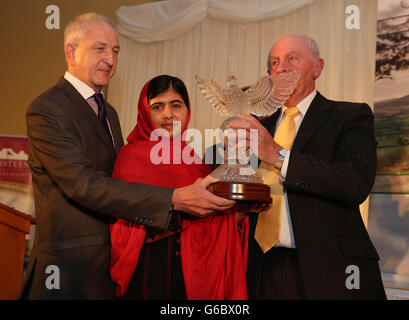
{"x": 195, "y": 258}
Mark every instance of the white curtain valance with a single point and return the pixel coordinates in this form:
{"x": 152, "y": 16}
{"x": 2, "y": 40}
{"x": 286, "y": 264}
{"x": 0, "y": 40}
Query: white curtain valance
{"x": 164, "y": 20}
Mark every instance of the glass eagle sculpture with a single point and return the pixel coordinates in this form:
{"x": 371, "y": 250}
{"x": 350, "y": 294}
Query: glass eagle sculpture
{"x": 261, "y": 99}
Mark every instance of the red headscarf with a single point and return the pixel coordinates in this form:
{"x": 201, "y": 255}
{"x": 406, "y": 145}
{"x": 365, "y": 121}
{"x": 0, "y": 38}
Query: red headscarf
{"x": 214, "y": 254}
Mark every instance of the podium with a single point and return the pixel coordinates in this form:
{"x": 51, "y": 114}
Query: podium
{"x": 14, "y": 225}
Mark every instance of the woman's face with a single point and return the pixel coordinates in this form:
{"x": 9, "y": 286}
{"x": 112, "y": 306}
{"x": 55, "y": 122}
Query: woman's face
{"x": 167, "y": 108}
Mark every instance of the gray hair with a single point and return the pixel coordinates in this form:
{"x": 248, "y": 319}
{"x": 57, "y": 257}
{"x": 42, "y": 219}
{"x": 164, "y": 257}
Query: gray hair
{"x": 312, "y": 44}
{"x": 75, "y": 29}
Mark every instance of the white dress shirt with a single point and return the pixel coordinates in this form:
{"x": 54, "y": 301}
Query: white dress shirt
{"x": 287, "y": 235}
{"x": 86, "y": 92}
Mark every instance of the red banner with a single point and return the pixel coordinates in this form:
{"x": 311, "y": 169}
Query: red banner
{"x": 14, "y": 160}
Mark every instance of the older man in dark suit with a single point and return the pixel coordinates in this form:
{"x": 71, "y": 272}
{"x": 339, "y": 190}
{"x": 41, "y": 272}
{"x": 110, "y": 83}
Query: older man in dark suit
{"x": 74, "y": 138}
{"x": 319, "y": 156}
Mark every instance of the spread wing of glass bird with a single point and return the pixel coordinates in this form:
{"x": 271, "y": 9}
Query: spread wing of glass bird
{"x": 261, "y": 99}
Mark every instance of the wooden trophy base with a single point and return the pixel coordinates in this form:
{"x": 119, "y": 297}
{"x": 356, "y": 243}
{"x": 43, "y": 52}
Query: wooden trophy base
{"x": 242, "y": 191}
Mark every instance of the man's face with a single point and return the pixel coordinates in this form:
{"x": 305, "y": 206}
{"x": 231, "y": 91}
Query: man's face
{"x": 94, "y": 60}
{"x": 293, "y": 53}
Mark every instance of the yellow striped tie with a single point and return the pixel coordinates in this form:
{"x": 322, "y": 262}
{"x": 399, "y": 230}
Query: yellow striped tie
{"x": 268, "y": 228}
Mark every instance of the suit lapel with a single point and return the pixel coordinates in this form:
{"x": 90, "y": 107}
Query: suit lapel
{"x": 82, "y": 106}
{"x": 316, "y": 115}
{"x": 115, "y": 129}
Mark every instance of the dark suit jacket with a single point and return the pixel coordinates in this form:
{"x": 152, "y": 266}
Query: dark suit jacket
{"x": 331, "y": 171}
{"x": 71, "y": 160}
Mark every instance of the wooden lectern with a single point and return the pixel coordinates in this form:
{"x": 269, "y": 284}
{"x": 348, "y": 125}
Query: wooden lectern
{"x": 14, "y": 225}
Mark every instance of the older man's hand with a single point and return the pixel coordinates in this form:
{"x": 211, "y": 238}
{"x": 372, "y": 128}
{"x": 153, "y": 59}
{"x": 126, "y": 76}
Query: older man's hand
{"x": 197, "y": 201}
{"x": 266, "y": 148}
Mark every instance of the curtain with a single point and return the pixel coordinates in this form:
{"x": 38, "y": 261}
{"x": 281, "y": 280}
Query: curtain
{"x": 166, "y": 20}
{"x": 215, "y": 39}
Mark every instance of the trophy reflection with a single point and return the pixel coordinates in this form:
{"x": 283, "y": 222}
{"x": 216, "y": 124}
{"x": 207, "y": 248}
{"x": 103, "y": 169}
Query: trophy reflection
{"x": 238, "y": 180}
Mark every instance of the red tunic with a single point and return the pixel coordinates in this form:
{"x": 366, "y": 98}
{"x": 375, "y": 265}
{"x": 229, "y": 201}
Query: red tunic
{"x": 213, "y": 252}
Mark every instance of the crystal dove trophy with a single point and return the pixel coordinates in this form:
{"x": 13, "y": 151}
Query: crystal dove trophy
{"x": 238, "y": 180}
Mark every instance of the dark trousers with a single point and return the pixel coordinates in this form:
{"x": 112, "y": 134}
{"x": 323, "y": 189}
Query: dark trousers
{"x": 158, "y": 275}
{"x": 274, "y": 275}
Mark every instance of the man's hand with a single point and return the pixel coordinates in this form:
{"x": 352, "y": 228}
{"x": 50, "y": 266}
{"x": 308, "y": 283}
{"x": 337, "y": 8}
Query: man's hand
{"x": 267, "y": 148}
{"x": 197, "y": 201}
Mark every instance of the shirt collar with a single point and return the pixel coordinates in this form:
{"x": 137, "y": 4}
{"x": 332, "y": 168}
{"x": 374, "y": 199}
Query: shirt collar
{"x": 304, "y": 104}
{"x": 85, "y": 91}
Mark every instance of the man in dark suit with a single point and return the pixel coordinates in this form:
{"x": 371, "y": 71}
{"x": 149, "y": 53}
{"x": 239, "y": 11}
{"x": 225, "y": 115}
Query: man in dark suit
{"x": 74, "y": 139}
{"x": 322, "y": 250}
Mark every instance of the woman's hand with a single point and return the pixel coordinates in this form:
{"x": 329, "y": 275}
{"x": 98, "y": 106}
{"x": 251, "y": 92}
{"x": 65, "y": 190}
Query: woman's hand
{"x": 243, "y": 209}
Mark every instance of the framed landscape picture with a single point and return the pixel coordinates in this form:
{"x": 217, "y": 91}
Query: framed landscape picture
{"x": 388, "y": 222}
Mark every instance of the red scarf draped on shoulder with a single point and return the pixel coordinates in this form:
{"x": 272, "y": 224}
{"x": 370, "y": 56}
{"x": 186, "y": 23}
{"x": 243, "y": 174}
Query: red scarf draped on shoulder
{"x": 214, "y": 253}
